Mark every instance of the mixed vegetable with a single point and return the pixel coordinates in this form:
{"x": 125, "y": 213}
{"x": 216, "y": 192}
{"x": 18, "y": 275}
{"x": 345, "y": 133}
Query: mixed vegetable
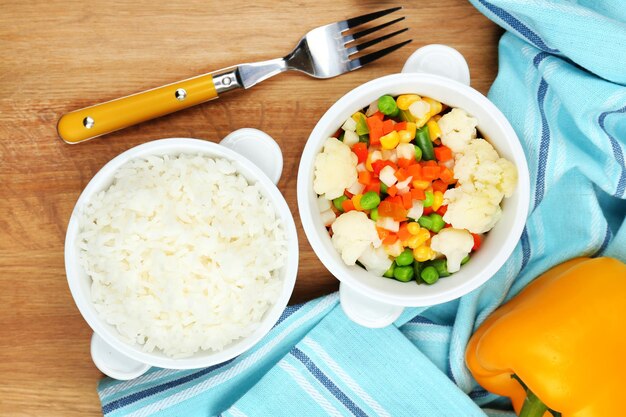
{"x": 406, "y": 189}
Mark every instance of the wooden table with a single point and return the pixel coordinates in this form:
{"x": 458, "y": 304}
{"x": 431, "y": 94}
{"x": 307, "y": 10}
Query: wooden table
{"x": 59, "y": 56}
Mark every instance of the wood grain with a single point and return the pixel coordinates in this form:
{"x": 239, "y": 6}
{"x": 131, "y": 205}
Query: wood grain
{"x": 60, "y": 56}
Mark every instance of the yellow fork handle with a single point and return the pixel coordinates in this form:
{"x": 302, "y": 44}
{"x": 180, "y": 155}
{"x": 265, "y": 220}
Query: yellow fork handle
{"x": 108, "y": 117}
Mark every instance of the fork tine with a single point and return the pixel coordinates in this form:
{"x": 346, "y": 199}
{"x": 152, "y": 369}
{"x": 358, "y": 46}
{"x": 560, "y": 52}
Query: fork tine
{"x": 366, "y": 59}
{"x": 367, "y": 44}
{"x": 359, "y": 20}
{"x": 355, "y": 36}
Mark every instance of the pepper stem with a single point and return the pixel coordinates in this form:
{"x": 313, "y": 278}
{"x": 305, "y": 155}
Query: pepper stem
{"x": 533, "y": 406}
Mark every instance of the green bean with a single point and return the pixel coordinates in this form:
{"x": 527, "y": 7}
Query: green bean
{"x": 364, "y": 139}
{"x": 383, "y": 188}
{"x": 405, "y": 258}
{"x": 389, "y": 272}
{"x": 422, "y": 139}
{"x": 429, "y": 275}
{"x": 417, "y": 268}
{"x": 418, "y": 153}
{"x": 430, "y": 199}
{"x": 406, "y": 116}
{"x": 343, "y": 133}
{"x": 361, "y": 125}
{"x": 437, "y": 222}
{"x": 370, "y": 200}
{"x": 465, "y": 260}
{"x": 337, "y": 202}
{"x": 387, "y": 105}
{"x": 403, "y": 273}
{"x": 426, "y": 222}
{"x": 374, "y": 214}
{"x": 441, "y": 265}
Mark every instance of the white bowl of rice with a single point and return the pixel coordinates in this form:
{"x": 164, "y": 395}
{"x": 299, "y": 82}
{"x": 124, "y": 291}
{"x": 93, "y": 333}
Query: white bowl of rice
{"x": 180, "y": 253}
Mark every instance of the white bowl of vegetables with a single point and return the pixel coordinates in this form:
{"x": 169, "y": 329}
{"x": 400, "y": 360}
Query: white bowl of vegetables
{"x": 413, "y": 189}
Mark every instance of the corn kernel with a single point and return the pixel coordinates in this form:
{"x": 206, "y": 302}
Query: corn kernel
{"x": 433, "y": 130}
{"x": 413, "y": 228}
{"x": 405, "y": 100}
{"x": 435, "y": 106}
{"x": 421, "y": 184}
{"x": 423, "y": 253}
{"x": 418, "y": 240}
{"x": 411, "y": 128}
{"x": 394, "y": 250}
{"x": 358, "y": 116}
{"x": 390, "y": 140}
{"x": 405, "y": 136}
{"x": 436, "y": 117}
{"x": 356, "y": 200}
{"x": 422, "y": 121}
{"x": 437, "y": 200}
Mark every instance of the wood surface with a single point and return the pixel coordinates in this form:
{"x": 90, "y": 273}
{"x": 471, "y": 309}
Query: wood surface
{"x": 58, "y": 56}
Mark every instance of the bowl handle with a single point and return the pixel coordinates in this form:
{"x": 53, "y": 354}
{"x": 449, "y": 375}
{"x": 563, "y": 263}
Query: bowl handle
{"x": 366, "y": 311}
{"x": 113, "y": 363}
{"x": 259, "y": 148}
{"x": 439, "y": 60}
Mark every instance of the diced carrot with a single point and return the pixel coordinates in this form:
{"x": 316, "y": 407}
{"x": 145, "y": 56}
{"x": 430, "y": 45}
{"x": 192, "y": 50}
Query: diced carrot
{"x": 375, "y": 134}
{"x": 443, "y": 153}
{"x": 392, "y": 191}
{"x": 400, "y": 126}
{"x": 382, "y": 233}
{"x": 477, "y": 241}
{"x": 414, "y": 171}
{"x": 390, "y": 239}
{"x": 404, "y": 234}
{"x": 365, "y": 177}
{"x": 373, "y": 122}
{"x": 388, "y": 126}
{"x": 374, "y": 185}
{"x": 360, "y": 150}
{"x": 347, "y": 205}
{"x": 405, "y": 163}
{"x": 431, "y": 172}
{"x": 430, "y": 163}
{"x": 407, "y": 200}
{"x": 442, "y": 210}
{"x": 447, "y": 175}
{"x": 378, "y": 115}
{"x": 417, "y": 194}
{"x": 401, "y": 174}
{"x": 392, "y": 209}
{"x": 440, "y": 186}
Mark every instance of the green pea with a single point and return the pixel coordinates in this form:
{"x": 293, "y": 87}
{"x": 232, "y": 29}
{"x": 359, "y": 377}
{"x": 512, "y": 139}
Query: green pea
{"x": 403, "y": 273}
{"x": 426, "y": 222}
{"x": 441, "y": 265}
{"x": 465, "y": 260}
{"x": 370, "y": 200}
{"x": 337, "y": 202}
{"x": 389, "y": 272}
{"x": 418, "y": 153}
{"x": 387, "y": 105}
{"x": 405, "y": 258}
{"x": 383, "y": 188}
{"x": 430, "y": 199}
{"x": 422, "y": 139}
{"x": 429, "y": 275}
{"x": 437, "y": 222}
{"x": 374, "y": 214}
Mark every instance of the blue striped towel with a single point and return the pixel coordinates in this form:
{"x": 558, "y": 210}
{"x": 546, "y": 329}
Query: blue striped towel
{"x": 561, "y": 84}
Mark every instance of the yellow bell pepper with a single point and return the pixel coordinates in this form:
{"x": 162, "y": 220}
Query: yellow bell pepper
{"x": 558, "y": 347}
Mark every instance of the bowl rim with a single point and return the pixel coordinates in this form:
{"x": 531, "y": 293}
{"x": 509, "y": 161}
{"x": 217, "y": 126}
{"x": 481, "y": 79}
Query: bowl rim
{"x": 383, "y": 85}
{"x": 177, "y": 146}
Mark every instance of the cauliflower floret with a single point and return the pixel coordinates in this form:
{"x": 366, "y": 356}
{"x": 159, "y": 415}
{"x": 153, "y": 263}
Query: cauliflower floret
{"x": 454, "y": 244}
{"x": 473, "y": 211}
{"x": 457, "y": 129}
{"x": 335, "y": 169}
{"x": 376, "y": 260}
{"x": 479, "y": 164}
{"x": 353, "y": 234}
{"x": 484, "y": 180}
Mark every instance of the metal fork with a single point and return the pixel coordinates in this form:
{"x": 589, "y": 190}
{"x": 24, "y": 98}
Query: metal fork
{"x": 324, "y": 52}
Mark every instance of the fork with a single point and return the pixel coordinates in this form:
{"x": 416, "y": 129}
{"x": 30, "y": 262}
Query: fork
{"x": 324, "y": 52}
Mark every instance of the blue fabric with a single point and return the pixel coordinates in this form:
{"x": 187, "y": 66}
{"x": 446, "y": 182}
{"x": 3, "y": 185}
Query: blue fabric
{"x": 561, "y": 84}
